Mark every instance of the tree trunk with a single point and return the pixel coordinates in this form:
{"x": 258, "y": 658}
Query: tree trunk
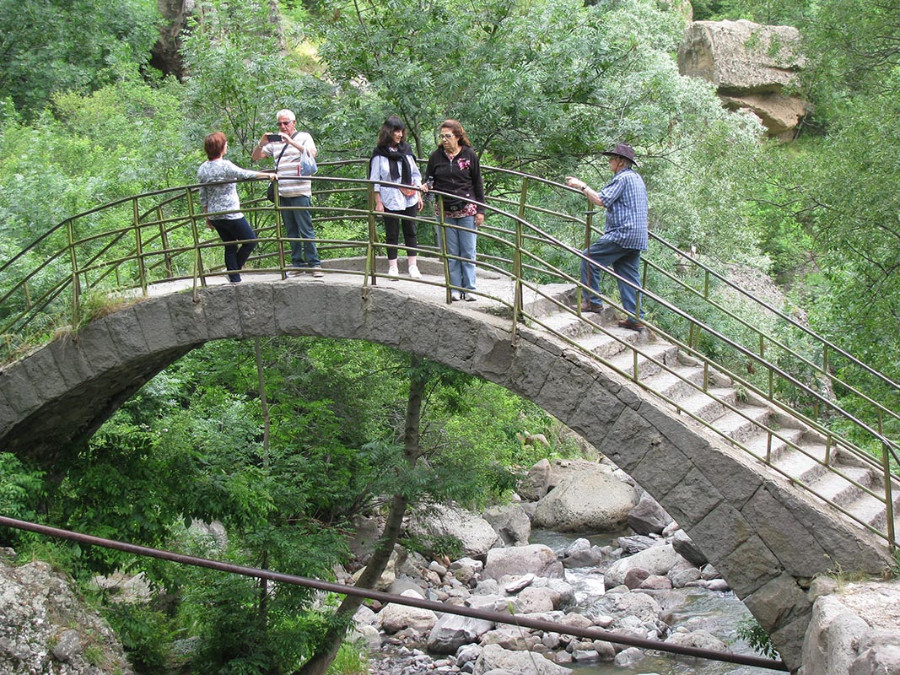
{"x": 318, "y": 664}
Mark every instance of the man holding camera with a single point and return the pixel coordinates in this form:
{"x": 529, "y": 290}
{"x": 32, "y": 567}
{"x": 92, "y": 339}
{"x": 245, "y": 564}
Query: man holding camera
{"x": 288, "y": 146}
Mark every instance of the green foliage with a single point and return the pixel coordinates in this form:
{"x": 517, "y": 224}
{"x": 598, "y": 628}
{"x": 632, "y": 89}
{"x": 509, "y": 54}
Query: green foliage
{"x": 350, "y": 660}
{"x": 145, "y": 633}
{"x": 750, "y": 630}
{"x": 118, "y": 141}
{"x": 531, "y": 84}
{"x": 21, "y": 490}
{"x": 772, "y": 12}
{"x": 53, "y": 46}
{"x": 435, "y": 545}
{"x": 240, "y": 76}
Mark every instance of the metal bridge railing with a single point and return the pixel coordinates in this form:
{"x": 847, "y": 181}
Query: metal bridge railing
{"x": 534, "y": 234}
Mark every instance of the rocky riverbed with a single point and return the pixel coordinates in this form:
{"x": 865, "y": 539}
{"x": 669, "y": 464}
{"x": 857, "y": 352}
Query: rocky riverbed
{"x": 643, "y": 579}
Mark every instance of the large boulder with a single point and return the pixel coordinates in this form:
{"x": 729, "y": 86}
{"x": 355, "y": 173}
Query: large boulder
{"x": 656, "y": 560}
{"x": 453, "y": 631}
{"x": 394, "y": 617}
{"x": 495, "y": 657}
{"x": 536, "y": 559}
{"x": 45, "y": 627}
{"x": 648, "y": 517}
{"x": 534, "y": 484}
{"x": 753, "y": 67}
{"x": 510, "y": 522}
{"x": 586, "y": 498}
{"x": 854, "y": 631}
{"x": 474, "y": 533}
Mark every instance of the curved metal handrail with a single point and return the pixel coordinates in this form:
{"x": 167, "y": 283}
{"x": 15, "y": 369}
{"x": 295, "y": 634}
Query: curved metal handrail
{"x": 133, "y": 256}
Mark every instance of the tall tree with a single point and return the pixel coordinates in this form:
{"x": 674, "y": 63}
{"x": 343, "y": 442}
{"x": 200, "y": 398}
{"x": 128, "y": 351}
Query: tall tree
{"x": 51, "y": 46}
{"x": 318, "y": 664}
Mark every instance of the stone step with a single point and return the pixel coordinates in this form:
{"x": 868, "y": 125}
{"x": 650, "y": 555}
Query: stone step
{"x": 870, "y": 511}
{"x": 759, "y": 443}
{"x": 676, "y": 386}
{"x": 648, "y": 363}
{"x": 545, "y": 303}
{"x": 602, "y": 345}
{"x": 800, "y": 465}
{"x": 741, "y": 427}
{"x": 843, "y": 491}
{"x": 567, "y": 325}
{"x": 709, "y": 406}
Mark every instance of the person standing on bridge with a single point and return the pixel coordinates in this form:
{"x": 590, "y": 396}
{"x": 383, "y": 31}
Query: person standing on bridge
{"x": 393, "y": 162}
{"x": 221, "y": 200}
{"x": 624, "y": 237}
{"x": 454, "y": 169}
{"x": 295, "y": 195}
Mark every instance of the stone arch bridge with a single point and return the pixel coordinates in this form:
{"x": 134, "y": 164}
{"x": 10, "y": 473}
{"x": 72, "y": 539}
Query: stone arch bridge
{"x": 764, "y": 537}
{"x": 772, "y": 496}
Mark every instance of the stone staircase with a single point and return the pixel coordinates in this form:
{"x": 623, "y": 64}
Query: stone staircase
{"x": 795, "y": 451}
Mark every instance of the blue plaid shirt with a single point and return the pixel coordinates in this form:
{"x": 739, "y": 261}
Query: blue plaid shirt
{"x": 625, "y": 199}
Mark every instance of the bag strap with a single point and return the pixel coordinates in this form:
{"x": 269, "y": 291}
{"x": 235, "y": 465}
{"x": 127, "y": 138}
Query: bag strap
{"x": 282, "y": 152}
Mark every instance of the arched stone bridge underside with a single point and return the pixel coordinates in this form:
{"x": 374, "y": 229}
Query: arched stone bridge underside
{"x": 766, "y": 540}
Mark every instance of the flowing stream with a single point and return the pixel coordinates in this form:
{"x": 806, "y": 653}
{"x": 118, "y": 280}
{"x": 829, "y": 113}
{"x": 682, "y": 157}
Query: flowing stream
{"x": 715, "y": 612}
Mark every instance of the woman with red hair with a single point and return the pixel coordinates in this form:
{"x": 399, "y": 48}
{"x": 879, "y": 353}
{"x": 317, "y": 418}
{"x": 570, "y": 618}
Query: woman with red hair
{"x": 221, "y": 203}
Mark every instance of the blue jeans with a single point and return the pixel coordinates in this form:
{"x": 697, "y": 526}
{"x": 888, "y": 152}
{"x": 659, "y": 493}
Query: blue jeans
{"x": 236, "y": 229}
{"x": 299, "y": 225}
{"x": 461, "y": 242}
{"x": 626, "y": 262}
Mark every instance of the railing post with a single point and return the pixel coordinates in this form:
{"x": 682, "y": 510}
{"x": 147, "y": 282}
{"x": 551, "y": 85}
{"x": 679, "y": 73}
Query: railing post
{"x": 639, "y": 296}
{"x": 279, "y": 229}
{"x": 518, "y": 301}
{"x": 373, "y": 234}
{"x": 198, "y": 259}
{"x": 588, "y": 226}
{"x": 440, "y": 231}
{"x": 139, "y": 246}
{"x": 164, "y": 238}
{"x": 888, "y": 495}
{"x": 76, "y": 288}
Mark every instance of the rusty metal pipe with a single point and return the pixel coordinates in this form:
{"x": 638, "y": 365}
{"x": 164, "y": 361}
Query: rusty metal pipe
{"x": 498, "y": 617}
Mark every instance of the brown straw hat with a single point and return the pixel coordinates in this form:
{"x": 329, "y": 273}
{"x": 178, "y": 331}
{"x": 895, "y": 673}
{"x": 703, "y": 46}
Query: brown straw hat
{"x": 622, "y": 150}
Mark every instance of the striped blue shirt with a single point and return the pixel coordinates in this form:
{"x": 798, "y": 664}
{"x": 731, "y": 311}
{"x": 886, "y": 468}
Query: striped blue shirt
{"x": 625, "y": 199}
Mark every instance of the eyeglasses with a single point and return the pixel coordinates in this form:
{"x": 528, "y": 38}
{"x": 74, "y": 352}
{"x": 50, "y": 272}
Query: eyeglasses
{"x": 447, "y": 135}
{"x": 285, "y": 124}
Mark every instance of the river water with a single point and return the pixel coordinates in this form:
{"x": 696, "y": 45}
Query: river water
{"x": 715, "y": 612}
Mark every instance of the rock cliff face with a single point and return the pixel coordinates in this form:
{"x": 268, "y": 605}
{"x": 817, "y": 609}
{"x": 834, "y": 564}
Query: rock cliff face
{"x": 46, "y": 628}
{"x": 753, "y": 67}
{"x": 165, "y": 55}
{"x": 853, "y": 629}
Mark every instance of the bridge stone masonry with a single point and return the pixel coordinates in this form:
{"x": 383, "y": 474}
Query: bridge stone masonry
{"x": 767, "y": 538}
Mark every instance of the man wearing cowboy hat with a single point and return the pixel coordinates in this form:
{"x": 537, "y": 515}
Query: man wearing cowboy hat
{"x": 624, "y": 237}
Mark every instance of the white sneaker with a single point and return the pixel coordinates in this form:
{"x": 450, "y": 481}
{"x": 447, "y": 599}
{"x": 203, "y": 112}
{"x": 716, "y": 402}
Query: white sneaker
{"x": 393, "y": 271}
{"x": 415, "y": 273}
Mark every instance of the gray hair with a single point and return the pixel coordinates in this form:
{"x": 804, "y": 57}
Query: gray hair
{"x": 286, "y": 113}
